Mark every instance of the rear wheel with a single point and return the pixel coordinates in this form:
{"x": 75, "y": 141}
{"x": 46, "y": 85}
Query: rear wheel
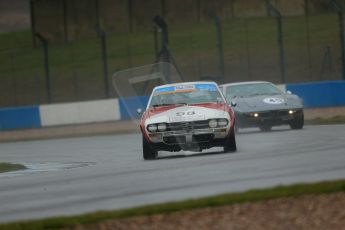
{"x": 149, "y": 152}
{"x": 230, "y": 144}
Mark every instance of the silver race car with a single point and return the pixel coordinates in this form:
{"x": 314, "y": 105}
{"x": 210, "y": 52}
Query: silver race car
{"x": 262, "y": 104}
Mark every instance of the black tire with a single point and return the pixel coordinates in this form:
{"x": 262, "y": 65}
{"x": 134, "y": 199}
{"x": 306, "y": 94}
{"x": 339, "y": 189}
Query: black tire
{"x": 265, "y": 128}
{"x": 149, "y": 153}
{"x": 230, "y": 144}
{"x": 236, "y": 129}
{"x": 297, "y": 123}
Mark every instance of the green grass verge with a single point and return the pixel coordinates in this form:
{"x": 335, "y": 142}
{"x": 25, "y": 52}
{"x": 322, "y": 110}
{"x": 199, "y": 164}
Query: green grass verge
{"x": 326, "y": 121}
{"x": 220, "y": 200}
{"x": 7, "y": 167}
{"x": 15, "y": 40}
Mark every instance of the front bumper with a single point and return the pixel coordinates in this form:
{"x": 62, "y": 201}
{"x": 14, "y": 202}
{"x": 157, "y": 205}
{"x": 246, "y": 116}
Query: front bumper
{"x": 189, "y": 139}
{"x": 271, "y": 118}
{"x": 188, "y": 136}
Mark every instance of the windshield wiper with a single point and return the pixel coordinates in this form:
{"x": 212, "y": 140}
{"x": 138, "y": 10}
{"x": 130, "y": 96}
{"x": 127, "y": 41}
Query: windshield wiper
{"x": 273, "y": 93}
{"x": 159, "y": 105}
{"x": 182, "y": 103}
{"x": 257, "y": 94}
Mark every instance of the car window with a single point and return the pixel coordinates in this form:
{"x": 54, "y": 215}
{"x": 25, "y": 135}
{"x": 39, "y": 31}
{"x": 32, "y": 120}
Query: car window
{"x": 188, "y": 94}
{"x": 249, "y": 90}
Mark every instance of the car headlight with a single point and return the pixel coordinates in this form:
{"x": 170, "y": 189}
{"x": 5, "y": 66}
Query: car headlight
{"x": 256, "y": 115}
{"x": 162, "y": 127}
{"x": 152, "y": 128}
{"x": 213, "y": 123}
{"x": 222, "y": 122}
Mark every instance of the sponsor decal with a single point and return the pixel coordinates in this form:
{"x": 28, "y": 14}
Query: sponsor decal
{"x": 206, "y": 87}
{"x": 185, "y": 88}
{"x": 274, "y": 100}
{"x": 165, "y": 90}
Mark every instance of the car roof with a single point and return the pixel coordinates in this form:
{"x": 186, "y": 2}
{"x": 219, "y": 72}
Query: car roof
{"x": 185, "y": 83}
{"x": 244, "y": 83}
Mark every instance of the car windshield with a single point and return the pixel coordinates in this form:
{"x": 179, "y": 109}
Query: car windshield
{"x": 186, "y": 94}
{"x": 252, "y": 89}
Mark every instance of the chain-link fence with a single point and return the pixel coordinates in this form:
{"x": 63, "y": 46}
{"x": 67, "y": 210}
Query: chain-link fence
{"x": 240, "y": 49}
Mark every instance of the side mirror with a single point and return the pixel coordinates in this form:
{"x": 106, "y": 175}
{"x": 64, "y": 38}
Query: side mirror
{"x": 139, "y": 111}
{"x": 288, "y": 92}
{"x": 233, "y": 103}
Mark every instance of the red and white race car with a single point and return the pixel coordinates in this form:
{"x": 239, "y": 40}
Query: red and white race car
{"x": 187, "y": 116}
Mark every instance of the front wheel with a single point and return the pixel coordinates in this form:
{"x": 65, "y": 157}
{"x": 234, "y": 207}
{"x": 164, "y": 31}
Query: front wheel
{"x": 149, "y": 153}
{"x": 230, "y": 144}
{"x": 236, "y": 129}
{"x": 265, "y": 127}
{"x": 297, "y": 123}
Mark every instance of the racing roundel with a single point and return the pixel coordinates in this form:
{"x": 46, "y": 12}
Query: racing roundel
{"x": 274, "y": 100}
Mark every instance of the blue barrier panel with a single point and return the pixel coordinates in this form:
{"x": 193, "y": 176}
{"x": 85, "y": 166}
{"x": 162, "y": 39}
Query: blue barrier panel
{"x": 320, "y": 94}
{"x": 129, "y": 106}
{"x": 19, "y": 118}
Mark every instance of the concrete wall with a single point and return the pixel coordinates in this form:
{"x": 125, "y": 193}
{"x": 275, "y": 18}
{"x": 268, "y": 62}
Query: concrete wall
{"x": 60, "y": 114}
{"x": 78, "y": 113}
{"x": 19, "y": 118}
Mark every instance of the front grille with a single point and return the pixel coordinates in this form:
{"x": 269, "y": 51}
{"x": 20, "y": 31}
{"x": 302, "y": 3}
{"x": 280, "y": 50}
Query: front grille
{"x": 178, "y": 126}
{"x": 181, "y": 139}
{"x": 174, "y": 140}
{"x": 203, "y": 137}
{"x": 283, "y": 113}
{"x": 273, "y": 114}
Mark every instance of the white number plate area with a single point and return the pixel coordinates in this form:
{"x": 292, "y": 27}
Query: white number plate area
{"x": 186, "y": 116}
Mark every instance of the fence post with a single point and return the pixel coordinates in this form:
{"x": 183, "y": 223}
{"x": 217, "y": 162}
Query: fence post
{"x": 102, "y": 35}
{"x": 275, "y": 13}
{"x": 340, "y": 13}
{"x": 306, "y": 11}
{"x": 130, "y": 15}
{"x": 44, "y": 43}
{"x": 155, "y": 40}
{"x": 248, "y": 51}
{"x": 219, "y": 44}
{"x": 65, "y": 24}
{"x": 33, "y": 22}
{"x": 162, "y": 27}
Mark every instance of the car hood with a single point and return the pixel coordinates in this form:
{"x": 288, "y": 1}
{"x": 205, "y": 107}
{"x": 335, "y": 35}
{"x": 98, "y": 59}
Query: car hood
{"x": 267, "y": 102}
{"x": 187, "y": 113}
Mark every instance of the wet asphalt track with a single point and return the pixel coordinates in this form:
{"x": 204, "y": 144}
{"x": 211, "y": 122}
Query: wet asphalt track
{"x": 77, "y": 175}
